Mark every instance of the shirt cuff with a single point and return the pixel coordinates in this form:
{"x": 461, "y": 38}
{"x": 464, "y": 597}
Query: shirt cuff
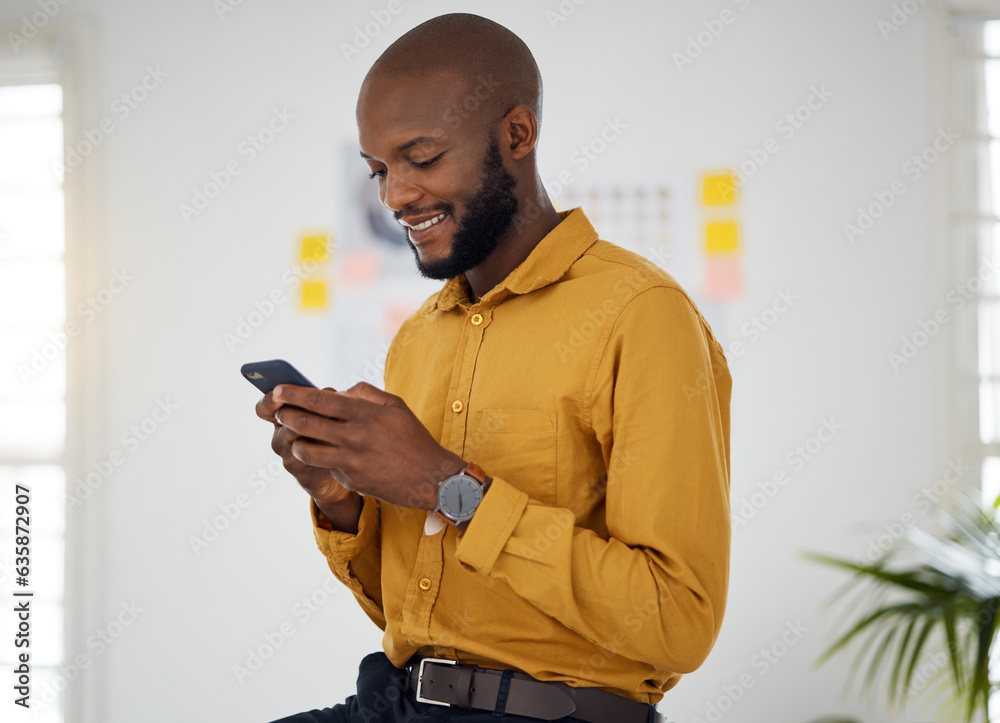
{"x": 491, "y": 526}
{"x": 339, "y": 546}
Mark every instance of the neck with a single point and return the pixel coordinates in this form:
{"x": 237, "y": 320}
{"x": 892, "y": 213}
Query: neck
{"x": 535, "y": 218}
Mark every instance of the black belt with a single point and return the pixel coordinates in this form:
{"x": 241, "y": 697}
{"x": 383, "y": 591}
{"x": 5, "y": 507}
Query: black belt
{"x": 467, "y": 686}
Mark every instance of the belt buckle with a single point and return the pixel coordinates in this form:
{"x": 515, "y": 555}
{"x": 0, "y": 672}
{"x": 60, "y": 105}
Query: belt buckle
{"x": 420, "y": 680}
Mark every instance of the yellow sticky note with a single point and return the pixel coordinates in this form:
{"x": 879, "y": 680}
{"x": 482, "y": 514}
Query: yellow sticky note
{"x": 721, "y": 237}
{"x": 718, "y": 189}
{"x": 314, "y": 247}
{"x": 314, "y": 294}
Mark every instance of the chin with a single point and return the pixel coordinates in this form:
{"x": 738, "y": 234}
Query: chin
{"x": 431, "y": 264}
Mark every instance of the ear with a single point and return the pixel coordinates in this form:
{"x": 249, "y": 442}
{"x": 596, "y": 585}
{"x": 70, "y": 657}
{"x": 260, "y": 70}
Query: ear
{"x": 519, "y": 131}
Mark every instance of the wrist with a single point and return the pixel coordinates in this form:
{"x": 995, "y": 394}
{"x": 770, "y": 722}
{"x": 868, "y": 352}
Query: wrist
{"x": 460, "y": 495}
{"x": 450, "y": 465}
{"x": 342, "y": 515}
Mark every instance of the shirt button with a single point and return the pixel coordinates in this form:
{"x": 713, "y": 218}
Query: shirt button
{"x": 477, "y": 319}
{"x": 456, "y": 406}
{"x": 425, "y": 584}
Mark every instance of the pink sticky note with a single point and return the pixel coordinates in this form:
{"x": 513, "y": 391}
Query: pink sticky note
{"x": 723, "y": 277}
{"x": 361, "y": 267}
{"x": 393, "y": 316}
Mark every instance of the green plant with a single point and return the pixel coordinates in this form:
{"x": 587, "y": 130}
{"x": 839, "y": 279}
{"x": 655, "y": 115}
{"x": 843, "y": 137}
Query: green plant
{"x": 946, "y": 583}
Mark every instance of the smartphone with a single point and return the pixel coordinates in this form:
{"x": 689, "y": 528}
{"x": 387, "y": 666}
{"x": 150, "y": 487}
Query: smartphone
{"x": 266, "y": 375}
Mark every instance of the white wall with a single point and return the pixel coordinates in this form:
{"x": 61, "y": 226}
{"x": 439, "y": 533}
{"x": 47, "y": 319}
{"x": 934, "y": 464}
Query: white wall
{"x": 162, "y": 337}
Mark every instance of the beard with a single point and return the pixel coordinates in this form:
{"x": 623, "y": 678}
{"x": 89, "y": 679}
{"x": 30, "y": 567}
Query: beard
{"x": 489, "y": 214}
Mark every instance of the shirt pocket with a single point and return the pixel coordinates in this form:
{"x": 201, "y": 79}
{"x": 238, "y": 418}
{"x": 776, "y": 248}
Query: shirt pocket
{"x": 519, "y": 446}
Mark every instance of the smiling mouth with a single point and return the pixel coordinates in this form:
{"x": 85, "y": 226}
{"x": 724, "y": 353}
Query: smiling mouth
{"x": 428, "y": 223}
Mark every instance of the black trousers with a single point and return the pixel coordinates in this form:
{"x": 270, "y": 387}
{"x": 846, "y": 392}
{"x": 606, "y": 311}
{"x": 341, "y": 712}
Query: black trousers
{"x": 382, "y": 698}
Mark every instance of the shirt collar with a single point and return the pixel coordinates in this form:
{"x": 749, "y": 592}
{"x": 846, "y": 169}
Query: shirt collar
{"x": 547, "y": 262}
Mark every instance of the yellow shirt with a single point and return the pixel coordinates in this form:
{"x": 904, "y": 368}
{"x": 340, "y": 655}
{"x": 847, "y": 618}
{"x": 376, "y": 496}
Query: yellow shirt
{"x": 592, "y": 390}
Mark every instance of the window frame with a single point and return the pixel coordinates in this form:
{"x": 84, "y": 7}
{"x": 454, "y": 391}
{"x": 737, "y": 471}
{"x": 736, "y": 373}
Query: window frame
{"x": 61, "y": 54}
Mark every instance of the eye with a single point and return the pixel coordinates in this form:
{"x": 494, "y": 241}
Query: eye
{"x": 380, "y": 173}
{"x": 428, "y": 164}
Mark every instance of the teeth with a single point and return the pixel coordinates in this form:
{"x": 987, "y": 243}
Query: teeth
{"x": 428, "y": 223}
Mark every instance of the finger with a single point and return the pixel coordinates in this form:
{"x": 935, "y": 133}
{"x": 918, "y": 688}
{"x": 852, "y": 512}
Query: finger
{"x": 310, "y": 453}
{"x": 281, "y": 441}
{"x": 325, "y": 402}
{"x": 313, "y": 426}
{"x": 287, "y": 435}
{"x": 266, "y": 407}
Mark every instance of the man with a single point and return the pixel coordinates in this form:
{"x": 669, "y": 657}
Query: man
{"x": 542, "y": 501}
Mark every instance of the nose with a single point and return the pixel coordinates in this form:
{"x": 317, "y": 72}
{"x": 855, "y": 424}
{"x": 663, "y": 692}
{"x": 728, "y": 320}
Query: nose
{"x": 399, "y": 191}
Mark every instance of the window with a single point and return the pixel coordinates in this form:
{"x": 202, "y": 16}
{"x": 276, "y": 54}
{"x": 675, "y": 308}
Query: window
{"x": 976, "y": 228}
{"x": 33, "y": 377}
{"x": 988, "y": 290}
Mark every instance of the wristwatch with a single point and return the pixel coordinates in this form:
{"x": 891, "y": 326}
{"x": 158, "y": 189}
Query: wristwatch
{"x": 458, "y": 496}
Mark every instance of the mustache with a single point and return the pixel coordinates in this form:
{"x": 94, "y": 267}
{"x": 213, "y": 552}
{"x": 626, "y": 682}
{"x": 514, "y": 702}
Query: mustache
{"x": 440, "y": 208}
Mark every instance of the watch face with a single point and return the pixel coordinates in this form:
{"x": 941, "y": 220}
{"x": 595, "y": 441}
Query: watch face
{"x": 459, "y": 496}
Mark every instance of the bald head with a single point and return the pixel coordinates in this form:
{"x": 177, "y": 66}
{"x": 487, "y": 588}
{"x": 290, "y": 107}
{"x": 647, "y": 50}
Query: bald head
{"x": 495, "y": 66}
{"x": 448, "y": 122}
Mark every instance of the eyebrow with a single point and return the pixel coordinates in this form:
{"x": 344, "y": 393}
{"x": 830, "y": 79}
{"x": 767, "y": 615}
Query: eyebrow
{"x": 406, "y": 146}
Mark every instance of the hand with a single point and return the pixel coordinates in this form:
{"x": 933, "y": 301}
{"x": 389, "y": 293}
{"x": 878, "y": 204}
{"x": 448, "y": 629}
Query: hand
{"x": 318, "y": 482}
{"x": 371, "y": 442}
